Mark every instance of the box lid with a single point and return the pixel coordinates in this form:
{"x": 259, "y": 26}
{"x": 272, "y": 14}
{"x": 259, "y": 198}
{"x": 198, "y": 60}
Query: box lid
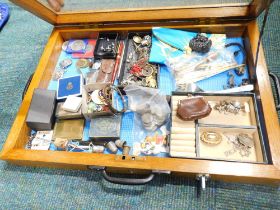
{"x": 107, "y": 11}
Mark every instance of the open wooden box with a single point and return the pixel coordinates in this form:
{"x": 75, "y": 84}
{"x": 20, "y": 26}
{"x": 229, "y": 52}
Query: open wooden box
{"x": 235, "y": 18}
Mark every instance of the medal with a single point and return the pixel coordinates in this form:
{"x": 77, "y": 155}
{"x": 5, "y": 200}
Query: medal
{"x": 77, "y": 45}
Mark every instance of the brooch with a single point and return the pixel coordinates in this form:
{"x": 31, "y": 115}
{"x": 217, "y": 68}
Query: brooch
{"x": 211, "y": 137}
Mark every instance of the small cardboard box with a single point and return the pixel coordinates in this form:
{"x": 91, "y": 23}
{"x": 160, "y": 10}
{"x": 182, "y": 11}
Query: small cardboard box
{"x": 41, "y": 111}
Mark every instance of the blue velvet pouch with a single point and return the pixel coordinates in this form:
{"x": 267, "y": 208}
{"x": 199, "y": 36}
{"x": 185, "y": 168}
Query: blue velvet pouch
{"x": 168, "y": 42}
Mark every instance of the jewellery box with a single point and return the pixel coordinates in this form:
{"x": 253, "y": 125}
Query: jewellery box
{"x": 234, "y": 19}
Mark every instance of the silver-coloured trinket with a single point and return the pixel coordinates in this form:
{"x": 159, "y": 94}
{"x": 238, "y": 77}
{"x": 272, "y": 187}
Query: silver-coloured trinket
{"x": 65, "y": 63}
{"x": 98, "y": 149}
{"x": 112, "y": 147}
{"x": 245, "y": 140}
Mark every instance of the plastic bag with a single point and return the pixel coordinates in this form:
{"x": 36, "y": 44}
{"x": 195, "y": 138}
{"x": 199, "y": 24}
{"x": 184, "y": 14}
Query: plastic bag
{"x": 151, "y": 107}
{"x": 196, "y": 66}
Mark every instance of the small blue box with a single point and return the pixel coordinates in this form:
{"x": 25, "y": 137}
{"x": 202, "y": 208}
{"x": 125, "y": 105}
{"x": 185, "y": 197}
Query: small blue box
{"x": 69, "y": 86}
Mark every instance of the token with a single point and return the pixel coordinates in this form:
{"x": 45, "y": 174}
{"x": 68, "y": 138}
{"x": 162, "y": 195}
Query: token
{"x": 65, "y": 45}
{"x": 82, "y": 63}
{"x": 77, "y": 45}
{"x": 147, "y": 70}
{"x": 65, "y": 63}
{"x": 137, "y": 39}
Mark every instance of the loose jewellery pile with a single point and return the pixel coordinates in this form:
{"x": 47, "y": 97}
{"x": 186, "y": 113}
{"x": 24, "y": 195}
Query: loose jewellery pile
{"x": 241, "y": 143}
{"x": 233, "y": 107}
{"x": 138, "y": 68}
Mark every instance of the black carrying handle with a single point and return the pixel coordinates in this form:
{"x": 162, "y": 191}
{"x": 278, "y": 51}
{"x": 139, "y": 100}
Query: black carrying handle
{"x": 127, "y": 181}
{"x": 276, "y": 81}
{"x": 26, "y": 86}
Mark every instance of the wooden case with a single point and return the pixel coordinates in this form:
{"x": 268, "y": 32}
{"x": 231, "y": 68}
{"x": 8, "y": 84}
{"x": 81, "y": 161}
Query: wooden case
{"x": 233, "y": 19}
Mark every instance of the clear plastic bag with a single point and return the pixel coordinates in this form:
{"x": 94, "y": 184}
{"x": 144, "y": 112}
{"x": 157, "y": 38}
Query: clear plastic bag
{"x": 196, "y": 66}
{"x": 151, "y": 107}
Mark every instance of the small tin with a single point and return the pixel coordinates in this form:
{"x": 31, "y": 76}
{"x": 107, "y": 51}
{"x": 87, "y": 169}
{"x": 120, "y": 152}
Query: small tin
{"x": 112, "y": 147}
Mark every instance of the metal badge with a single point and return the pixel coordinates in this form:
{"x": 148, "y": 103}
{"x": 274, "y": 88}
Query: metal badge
{"x": 57, "y": 74}
{"x": 77, "y": 45}
{"x": 65, "y": 63}
{"x": 82, "y": 63}
{"x": 147, "y": 71}
{"x": 65, "y": 45}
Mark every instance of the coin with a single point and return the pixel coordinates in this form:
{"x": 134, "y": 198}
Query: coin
{"x": 82, "y": 63}
{"x": 65, "y": 63}
{"x": 77, "y": 45}
{"x": 65, "y": 45}
{"x": 137, "y": 39}
{"x": 147, "y": 70}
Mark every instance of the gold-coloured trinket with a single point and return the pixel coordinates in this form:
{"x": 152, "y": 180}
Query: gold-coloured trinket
{"x": 211, "y": 137}
{"x": 82, "y": 63}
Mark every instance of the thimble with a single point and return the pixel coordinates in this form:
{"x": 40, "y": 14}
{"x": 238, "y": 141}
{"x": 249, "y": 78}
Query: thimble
{"x": 97, "y": 149}
{"x": 126, "y": 150}
{"x": 112, "y": 147}
{"x": 120, "y": 144}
